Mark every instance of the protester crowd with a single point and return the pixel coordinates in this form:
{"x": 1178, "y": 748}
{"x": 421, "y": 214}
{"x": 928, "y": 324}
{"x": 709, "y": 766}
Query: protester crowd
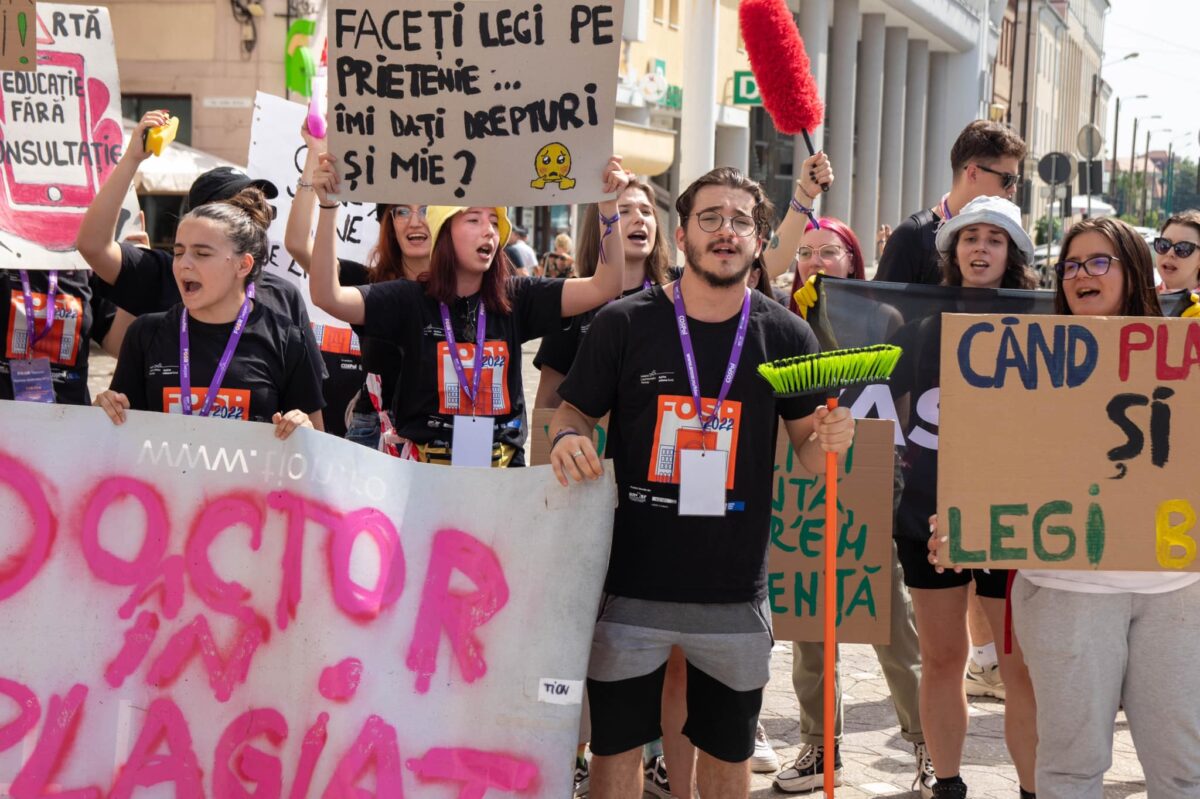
{"x": 680, "y": 656}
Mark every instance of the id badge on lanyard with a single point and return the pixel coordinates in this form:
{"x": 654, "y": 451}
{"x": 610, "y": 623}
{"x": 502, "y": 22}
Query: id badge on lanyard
{"x": 471, "y": 444}
{"x": 32, "y": 380}
{"x": 703, "y": 472}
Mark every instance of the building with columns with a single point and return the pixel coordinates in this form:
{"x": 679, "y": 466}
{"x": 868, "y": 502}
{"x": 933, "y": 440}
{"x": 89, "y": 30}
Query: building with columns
{"x": 900, "y": 79}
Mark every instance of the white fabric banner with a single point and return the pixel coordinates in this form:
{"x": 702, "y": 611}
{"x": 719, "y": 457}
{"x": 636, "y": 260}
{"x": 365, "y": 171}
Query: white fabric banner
{"x": 306, "y": 618}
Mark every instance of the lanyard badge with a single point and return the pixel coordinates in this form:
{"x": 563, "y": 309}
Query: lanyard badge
{"x": 185, "y": 360}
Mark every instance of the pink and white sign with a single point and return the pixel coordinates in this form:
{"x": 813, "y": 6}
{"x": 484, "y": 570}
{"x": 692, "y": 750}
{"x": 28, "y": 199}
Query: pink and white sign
{"x": 60, "y": 136}
{"x": 247, "y": 617}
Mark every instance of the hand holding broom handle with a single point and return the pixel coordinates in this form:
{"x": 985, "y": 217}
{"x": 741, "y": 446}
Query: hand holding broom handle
{"x": 828, "y": 373}
{"x": 812, "y": 151}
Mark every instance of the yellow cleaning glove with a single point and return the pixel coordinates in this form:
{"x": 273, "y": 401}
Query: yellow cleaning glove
{"x": 1190, "y": 312}
{"x": 806, "y": 295}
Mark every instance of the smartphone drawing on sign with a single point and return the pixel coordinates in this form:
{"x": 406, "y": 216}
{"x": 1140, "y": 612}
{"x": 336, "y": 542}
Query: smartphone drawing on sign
{"x": 37, "y": 187}
{"x": 44, "y": 203}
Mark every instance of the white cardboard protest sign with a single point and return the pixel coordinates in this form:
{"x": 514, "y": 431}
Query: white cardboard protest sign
{"x": 307, "y": 618}
{"x": 277, "y": 154}
{"x": 482, "y": 102}
{"x": 60, "y": 137}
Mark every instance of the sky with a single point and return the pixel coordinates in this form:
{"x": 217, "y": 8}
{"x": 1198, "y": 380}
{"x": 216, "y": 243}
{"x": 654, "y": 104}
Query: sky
{"x": 1162, "y": 32}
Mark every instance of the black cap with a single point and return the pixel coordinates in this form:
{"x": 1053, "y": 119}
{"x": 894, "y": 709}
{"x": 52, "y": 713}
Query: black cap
{"x": 520, "y": 231}
{"x": 224, "y": 182}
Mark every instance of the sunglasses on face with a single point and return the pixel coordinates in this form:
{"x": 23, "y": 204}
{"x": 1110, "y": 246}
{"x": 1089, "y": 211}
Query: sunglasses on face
{"x": 1007, "y": 179}
{"x": 1182, "y": 249}
{"x": 1095, "y": 267}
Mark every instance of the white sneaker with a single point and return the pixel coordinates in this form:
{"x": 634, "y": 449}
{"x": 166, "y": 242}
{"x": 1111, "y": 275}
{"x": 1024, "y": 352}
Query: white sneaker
{"x": 764, "y": 760}
{"x": 980, "y": 681}
{"x": 807, "y": 773}
{"x": 925, "y": 778}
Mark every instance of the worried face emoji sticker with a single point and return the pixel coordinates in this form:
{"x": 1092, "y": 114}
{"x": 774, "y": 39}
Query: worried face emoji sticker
{"x": 553, "y": 164}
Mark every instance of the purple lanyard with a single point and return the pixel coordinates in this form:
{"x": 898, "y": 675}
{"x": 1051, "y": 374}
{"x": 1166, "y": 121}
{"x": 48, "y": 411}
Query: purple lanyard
{"x": 689, "y": 356}
{"x": 946, "y": 215}
{"x": 31, "y": 335}
{"x": 480, "y": 336}
{"x": 185, "y": 359}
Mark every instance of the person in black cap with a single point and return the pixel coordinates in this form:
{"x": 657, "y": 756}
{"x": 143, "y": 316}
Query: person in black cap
{"x": 140, "y": 280}
{"x": 522, "y": 256}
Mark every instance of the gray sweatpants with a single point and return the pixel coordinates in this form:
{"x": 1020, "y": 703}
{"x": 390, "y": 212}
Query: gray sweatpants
{"x": 1088, "y": 653}
{"x": 900, "y": 661}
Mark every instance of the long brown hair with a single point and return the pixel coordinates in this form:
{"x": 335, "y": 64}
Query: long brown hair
{"x": 441, "y": 282}
{"x": 386, "y": 259}
{"x": 587, "y": 247}
{"x": 1136, "y": 266}
{"x": 1017, "y": 274}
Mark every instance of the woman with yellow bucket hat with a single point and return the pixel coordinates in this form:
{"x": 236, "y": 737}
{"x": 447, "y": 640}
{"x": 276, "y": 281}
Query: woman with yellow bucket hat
{"x": 460, "y": 398}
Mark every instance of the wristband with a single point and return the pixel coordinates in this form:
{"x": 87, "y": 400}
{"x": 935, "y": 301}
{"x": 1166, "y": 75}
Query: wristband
{"x": 561, "y": 434}
{"x": 800, "y": 208}
{"x": 331, "y": 205}
{"x": 608, "y": 223}
{"x": 300, "y": 184}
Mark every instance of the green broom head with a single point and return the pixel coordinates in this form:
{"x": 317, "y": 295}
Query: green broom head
{"x": 829, "y": 372}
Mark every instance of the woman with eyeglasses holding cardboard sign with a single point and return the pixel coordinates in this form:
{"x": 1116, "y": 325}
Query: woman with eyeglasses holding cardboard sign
{"x": 461, "y": 400}
{"x": 1096, "y": 640}
{"x": 1178, "y": 249}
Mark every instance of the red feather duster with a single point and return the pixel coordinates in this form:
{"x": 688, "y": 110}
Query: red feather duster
{"x": 781, "y": 66}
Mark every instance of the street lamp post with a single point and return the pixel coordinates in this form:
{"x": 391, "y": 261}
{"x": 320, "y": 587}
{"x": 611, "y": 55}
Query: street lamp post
{"x": 1131, "y": 198}
{"x": 1116, "y": 170}
{"x": 1146, "y": 170}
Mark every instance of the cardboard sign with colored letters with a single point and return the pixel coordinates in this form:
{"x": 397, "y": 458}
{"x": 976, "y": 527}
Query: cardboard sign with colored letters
{"x": 1067, "y": 442}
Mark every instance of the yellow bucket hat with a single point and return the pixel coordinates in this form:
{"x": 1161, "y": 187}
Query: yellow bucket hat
{"x": 438, "y": 215}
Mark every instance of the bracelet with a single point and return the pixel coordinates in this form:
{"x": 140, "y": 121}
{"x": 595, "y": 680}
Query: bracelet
{"x": 331, "y": 205}
{"x": 300, "y": 184}
{"x": 608, "y": 223}
{"x": 800, "y": 208}
{"x": 561, "y": 434}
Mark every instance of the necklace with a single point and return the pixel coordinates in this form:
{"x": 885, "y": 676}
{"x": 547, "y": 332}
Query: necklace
{"x": 470, "y": 316}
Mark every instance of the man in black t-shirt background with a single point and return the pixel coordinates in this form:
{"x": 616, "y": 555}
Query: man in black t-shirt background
{"x": 986, "y": 161}
{"x": 690, "y": 539}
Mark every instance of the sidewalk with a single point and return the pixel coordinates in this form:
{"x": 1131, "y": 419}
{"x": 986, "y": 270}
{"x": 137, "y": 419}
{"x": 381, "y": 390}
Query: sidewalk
{"x": 878, "y": 762}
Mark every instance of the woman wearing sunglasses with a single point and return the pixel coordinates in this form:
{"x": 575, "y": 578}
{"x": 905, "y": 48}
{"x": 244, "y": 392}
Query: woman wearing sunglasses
{"x": 1177, "y": 247}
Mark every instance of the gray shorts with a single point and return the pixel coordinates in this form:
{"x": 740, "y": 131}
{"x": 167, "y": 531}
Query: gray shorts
{"x": 729, "y": 642}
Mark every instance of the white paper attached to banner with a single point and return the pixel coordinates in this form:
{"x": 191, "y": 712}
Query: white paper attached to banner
{"x": 191, "y": 607}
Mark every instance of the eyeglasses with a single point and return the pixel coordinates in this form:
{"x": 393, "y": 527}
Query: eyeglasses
{"x": 1183, "y": 249}
{"x": 711, "y": 222}
{"x": 830, "y": 252}
{"x": 1007, "y": 179}
{"x": 1095, "y": 267}
{"x": 404, "y": 212}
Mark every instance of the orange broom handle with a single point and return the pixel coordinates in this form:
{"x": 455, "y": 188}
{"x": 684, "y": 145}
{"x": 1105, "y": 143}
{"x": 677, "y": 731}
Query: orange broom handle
{"x": 830, "y": 578}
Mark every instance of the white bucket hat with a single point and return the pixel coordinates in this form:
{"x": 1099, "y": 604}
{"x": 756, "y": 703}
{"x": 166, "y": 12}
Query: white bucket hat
{"x": 987, "y": 211}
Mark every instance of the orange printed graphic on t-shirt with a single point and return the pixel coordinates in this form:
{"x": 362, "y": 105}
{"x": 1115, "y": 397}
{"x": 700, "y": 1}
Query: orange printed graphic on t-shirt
{"x": 678, "y": 428}
{"x": 61, "y": 344}
{"x": 336, "y": 340}
{"x": 493, "y": 397}
{"x": 231, "y": 403}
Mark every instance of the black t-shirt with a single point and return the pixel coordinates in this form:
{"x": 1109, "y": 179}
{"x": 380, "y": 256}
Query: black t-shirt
{"x": 67, "y": 343}
{"x": 146, "y": 284}
{"x": 921, "y": 341}
{"x": 399, "y": 311}
{"x": 558, "y": 349}
{"x": 379, "y": 356}
{"x": 631, "y": 366}
{"x": 270, "y": 370}
{"x": 911, "y": 255}
{"x": 342, "y": 353}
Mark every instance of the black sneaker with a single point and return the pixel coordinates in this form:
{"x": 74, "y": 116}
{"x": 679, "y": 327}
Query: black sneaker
{"x": 807, "y": 773}
{"x": 655, "y": 778}
{"x": 956, "y": 789}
